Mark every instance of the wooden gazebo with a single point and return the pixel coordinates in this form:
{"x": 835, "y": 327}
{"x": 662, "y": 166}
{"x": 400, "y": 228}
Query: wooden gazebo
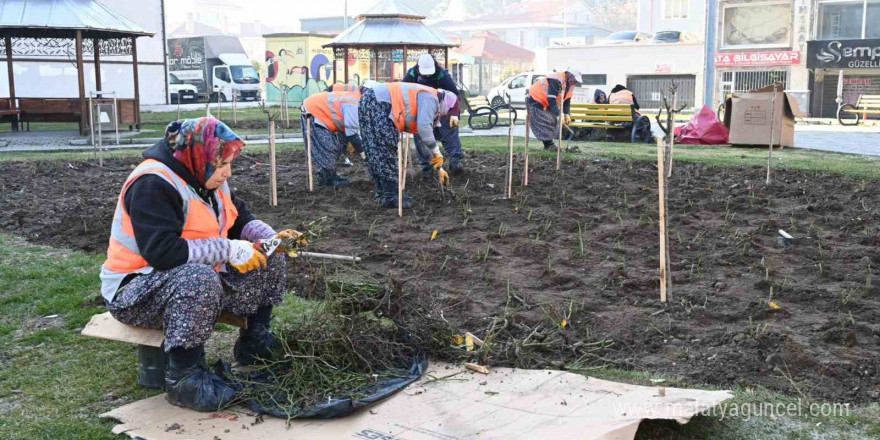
{"x": 389, "y": 35}
{"x": 54, "y": 30}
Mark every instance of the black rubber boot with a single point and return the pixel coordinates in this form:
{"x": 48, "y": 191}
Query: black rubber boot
{"x": 549, "y": 145}
{"x": 455, "y": 166}
{"x": 388, "y": 195}
{"x": 329, "y": 178}
{"x": 257, "y": 341}
{"x": 190, "y": 384}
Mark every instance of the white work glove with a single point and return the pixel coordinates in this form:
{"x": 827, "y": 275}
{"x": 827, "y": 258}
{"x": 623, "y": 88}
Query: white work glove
{"x": 244, "y": 257}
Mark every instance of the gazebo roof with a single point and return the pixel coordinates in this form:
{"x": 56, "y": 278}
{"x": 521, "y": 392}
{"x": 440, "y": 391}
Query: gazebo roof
{"x": 390, "y": 23}
{"x": 62, "y": 18}
{"x": 389, "y": 9}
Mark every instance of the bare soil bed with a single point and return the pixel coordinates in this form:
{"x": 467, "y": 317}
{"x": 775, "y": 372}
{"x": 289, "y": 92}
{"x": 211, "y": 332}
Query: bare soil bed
{"x": 579, "y": 245}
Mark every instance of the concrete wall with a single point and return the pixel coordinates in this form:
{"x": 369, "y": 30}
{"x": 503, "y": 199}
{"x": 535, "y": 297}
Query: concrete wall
{"x": 58, "y": 77}
{"x": 621, "y": 60}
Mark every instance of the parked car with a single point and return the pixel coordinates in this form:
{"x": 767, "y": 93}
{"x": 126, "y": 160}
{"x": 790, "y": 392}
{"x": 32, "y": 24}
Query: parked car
{"x": 497, "y": 94}
{"x": 513, "y": 90}
{"x": 180, "y": 91}
{"x": 674, "y": 37}
{"x": 628, "y": 37}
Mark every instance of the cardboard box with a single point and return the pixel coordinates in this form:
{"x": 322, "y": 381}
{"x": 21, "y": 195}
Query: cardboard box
{"x": 748, "y": 116}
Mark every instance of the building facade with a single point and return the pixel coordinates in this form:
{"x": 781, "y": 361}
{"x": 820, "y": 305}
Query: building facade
{"x": 760, "y": 43}
{"x": 647, "y": 68}
{"x": 56, "y": 76}
{"x": 845, "y": 38}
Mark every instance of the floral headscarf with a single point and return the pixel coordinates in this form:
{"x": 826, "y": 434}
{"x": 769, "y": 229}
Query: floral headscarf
{"x": 197, "y": 143}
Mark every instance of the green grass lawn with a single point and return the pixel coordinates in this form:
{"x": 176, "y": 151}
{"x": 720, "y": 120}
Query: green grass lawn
{"x": 54, "y": 383}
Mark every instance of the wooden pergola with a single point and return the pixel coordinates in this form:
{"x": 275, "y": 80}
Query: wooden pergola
{"x": 53, "y": 30}
{"x": 387, "y": 30}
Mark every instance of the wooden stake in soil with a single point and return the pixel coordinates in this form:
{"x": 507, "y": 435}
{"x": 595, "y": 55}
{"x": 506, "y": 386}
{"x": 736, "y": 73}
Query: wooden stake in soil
{"x": 219, "y": 104}
{"x": 661, "y": 186}
{"x": 407, "y": 159}
{"x": 526, "y": 150}
{"x": 273, "y": 176}
{"x": 509, "y": 193}
{"x": 234, "y": 108}
{"x": 772, "y": 133}
{"x": 561, "y": 123}
{"x": 400, "y": 179}
{"x": 309, "y": 152}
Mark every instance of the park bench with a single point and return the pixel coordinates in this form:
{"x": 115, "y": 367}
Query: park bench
{"x": 68, "y": 110}
{"x": 8, "y": 113}
{"x": 609, "y": 117}
{"x": 867, "y": 105}
{"x": 151, "y": 372}
{"x": 478, "y": 107}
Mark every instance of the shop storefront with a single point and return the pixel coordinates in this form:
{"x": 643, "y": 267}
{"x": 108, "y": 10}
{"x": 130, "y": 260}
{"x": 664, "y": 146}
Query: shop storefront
{"x": 860, "y": 62}
{"x": 847, "y": 39}
{"x": 759, "y": 44}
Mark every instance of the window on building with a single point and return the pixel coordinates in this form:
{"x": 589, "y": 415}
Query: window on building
{"x": 594, "y": 80}
{"x": 844, "y": 19}
{"x": 522, "y": 39}
{"x": 673, "y": 9}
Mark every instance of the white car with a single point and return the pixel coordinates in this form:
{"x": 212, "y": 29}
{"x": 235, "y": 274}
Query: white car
{"x": 513, "y": 90}
{"x": 180, "y": 91}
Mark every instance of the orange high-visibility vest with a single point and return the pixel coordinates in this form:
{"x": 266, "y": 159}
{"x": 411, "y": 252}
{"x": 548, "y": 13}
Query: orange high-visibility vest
{"x": 621, "y": 97}
{"x": 327, "y": 108}
{"x": 541, "y": 88}
{"x": 347, "y": 88}
{"x": 123, "y": 255}
{"x": 405, "y": 105}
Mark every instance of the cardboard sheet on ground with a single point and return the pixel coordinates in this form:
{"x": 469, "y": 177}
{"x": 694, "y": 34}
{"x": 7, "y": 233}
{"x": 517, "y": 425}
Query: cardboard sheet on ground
{"x": 507, "y": 404}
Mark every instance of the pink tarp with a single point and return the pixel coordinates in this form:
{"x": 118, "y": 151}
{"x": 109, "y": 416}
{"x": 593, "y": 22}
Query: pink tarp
{"x": 704, "y": 128}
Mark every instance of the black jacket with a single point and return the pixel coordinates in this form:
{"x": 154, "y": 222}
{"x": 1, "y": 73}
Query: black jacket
{"x": 439, "y": 80}
{"x": 156, "y": 212}
{"x": 554, "y": 88}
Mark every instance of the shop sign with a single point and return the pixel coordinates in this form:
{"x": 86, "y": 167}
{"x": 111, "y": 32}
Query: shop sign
{"x": 752, "y": 59}
{"x": 844, "y": 54}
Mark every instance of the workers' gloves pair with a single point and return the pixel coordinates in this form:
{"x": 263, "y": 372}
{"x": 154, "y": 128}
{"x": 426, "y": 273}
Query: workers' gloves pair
{"x": 437, "y": 163}
{"x": 245, "y": 257}
{"x": 453, "y": 122}
{"x": 567, "y": 119}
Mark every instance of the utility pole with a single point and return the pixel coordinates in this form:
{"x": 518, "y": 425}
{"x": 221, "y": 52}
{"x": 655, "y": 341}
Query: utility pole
{"x": 345, "y": 18}
{"x": 565, "y": 19}
{"x": 711, "y": 42}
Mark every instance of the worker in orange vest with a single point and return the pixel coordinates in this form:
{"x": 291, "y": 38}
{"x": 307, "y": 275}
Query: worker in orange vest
{"x": 622, "y": 95}
{"x": 334, "y": 125}
{"x": 543, "y": 101}
{"x": 389, "y": 109}
{"x": 182, "y": 250}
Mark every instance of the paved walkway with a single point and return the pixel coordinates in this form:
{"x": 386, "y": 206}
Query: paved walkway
{"x": 854, "y": 140}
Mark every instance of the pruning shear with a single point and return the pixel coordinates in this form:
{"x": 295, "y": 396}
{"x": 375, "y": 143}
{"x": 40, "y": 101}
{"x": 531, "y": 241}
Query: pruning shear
{"x": 287, "y": 245}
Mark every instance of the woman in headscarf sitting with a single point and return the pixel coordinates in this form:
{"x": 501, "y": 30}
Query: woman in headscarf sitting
{"x": 182, "y": 250}
{"x": 622, "y": 95}
{"x": 599, "y": 97}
